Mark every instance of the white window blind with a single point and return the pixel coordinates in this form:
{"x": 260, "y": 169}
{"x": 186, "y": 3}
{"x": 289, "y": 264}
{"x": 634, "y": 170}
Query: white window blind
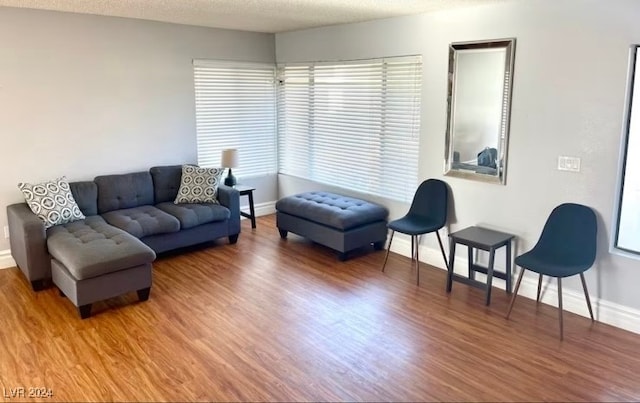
{"x": 352, "y": 124}
{"x": 236, "y": 108}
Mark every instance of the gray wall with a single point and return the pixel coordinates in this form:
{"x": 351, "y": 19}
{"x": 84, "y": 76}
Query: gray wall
{"x": 84, "y": 95}
{"x": 568, "y": 99}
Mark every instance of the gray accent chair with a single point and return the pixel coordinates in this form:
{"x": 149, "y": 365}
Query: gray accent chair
{"x": 129, "y": 219}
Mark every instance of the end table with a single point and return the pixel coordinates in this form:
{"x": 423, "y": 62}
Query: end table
{"x": 485, "y": 239}
{"x": 248, "y": 191}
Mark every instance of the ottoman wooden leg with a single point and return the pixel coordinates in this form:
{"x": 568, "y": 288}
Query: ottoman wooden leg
{"x": 37, "y": 285}
{"x": 85, "y": 311}
{"x": 143, "y": 294}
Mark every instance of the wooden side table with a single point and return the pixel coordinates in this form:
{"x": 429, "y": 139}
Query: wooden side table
{"x": 485, "y": 239}
{"x": 248, "y": 191}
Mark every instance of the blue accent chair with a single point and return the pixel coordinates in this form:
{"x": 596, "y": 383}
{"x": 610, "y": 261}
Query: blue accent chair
{"x": 566, "y": 247}
{"x": 428, "y": 213}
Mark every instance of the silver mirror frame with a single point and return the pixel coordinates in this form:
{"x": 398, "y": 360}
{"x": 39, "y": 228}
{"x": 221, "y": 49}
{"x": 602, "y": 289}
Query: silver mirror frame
{"x": 509, "y": 44}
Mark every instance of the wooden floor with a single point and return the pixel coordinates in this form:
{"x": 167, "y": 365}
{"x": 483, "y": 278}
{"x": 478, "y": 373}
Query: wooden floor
{"x": 273, "y": 320}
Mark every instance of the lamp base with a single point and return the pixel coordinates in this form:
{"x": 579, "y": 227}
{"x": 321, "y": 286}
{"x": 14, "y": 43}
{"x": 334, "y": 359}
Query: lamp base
{"x": 230, "y": 180}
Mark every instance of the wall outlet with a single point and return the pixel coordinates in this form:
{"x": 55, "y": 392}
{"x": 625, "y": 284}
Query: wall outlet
{"x": 571, "y": 164}
{"x": 6, "y": 232}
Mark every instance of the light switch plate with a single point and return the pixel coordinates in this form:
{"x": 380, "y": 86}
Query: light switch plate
{"x": 6, "y": 232}
{"x": 571, "y": 164}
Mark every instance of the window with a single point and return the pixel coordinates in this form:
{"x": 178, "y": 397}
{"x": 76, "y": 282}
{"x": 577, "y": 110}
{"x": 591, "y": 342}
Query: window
{"x": 352, "y": 124}
{"x": 235, "y": 108}
{"x": 628, "y": 229}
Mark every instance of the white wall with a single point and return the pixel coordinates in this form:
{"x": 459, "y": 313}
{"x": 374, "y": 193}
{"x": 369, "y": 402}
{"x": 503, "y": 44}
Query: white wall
{"x": 568, "y": 99}
{"x": 84, "y": 95}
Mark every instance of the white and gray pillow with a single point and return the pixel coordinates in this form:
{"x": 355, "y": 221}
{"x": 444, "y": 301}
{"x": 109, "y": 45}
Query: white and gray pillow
{"x": 52, "y": 201}
{"x": 199, "y": 185}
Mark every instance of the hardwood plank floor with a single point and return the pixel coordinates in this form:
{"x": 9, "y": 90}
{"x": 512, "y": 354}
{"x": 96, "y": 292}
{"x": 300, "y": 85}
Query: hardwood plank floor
{"x": 273, "y": 320}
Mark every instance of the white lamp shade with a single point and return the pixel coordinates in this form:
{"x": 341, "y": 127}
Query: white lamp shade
{"x": 230, "y": 158}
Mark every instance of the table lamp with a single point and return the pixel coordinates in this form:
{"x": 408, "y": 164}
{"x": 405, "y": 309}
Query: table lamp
{"x": 230, "y": 160}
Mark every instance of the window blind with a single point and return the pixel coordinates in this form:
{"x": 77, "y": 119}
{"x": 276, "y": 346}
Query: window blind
{"x": 354, "y": 124}
{"x": 236, "y": 108}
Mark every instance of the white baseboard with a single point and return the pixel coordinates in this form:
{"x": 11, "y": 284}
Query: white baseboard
{"x": 604, "y": 311}
{"x": 265, "y": 208}
{"x": 6, "y": 260}
{"x": 261, "y": 208}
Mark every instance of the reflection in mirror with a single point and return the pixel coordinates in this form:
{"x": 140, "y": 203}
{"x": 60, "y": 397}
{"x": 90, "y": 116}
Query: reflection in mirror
{"x": 479, "y": 103}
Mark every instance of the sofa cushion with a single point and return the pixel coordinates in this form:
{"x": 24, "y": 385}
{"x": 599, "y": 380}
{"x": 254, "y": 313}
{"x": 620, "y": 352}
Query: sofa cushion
{"x": 192, "y": 215}
{"x": 166, "y": 182}
{"x": 199, "y": 185}
{"x": 142, "y": 221}
{"x": 91, "y": 247}
{"x": 52, "y": 201}
{"x": 117, "y": 192}
{"x": 86, "y": 195}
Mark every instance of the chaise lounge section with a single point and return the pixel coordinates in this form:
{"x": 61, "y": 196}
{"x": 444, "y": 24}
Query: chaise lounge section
{"x": 92, "y": 261}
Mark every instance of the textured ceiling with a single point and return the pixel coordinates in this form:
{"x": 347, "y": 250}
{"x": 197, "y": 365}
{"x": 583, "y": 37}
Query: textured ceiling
{"x": 250, "y": 15}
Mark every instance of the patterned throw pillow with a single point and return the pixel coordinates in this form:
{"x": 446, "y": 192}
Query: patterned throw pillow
{"x": 199, "y": 185}
{"x": 52, "y": 201}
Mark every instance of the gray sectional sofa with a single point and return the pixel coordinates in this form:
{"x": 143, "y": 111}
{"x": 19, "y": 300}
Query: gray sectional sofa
{"x": 129, "y": 218}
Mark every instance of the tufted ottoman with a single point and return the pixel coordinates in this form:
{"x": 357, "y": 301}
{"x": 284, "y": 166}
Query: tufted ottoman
{"x": 92, "y": 261}
{"x": 342, "y": 223}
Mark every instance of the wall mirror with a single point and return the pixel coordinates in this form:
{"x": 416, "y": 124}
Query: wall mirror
{"x": 479, "y": 107}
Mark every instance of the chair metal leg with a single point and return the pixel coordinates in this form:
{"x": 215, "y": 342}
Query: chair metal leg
{"x": 417, "y": 264}
{"x": 386, "y": 256}
{"x": 539, "y": 287}
{"x": 413, "y": 248}
{"x": 444, "y": 255}
{"x": 515, "y": 293}
{"x": 413, "y": 251}
{"x": 586, "y": 295}
{"x": 417, "y": 245}
{"x": 452, "y": 259}
{"x": 560, "y": 307}
{"x": 508, "y": 268}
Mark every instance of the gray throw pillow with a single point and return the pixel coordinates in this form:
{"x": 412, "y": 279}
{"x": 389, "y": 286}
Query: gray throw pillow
{"x": 199, "y": 185}
{"x": 52, "y": 201}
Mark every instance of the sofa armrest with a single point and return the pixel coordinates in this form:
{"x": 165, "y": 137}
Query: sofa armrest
{"x": 230, "y": 198}
{"x": 28, "y": 239}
